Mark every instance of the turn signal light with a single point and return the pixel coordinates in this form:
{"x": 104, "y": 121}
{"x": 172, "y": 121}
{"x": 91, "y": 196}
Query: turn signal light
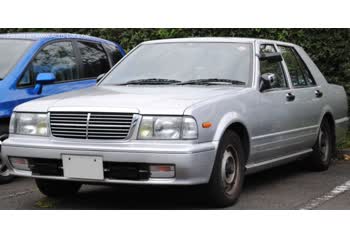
{"x": 162, "y": 171}
{"x": 206, "y": 124}
{"x": 19, "y": 163}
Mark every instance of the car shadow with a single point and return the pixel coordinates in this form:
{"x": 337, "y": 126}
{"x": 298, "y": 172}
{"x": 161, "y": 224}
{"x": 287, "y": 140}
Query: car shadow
{"x": 161, "y": 198}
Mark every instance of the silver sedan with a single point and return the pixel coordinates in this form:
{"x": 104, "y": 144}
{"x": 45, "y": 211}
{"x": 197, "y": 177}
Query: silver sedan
{"x": 201, "y": 111}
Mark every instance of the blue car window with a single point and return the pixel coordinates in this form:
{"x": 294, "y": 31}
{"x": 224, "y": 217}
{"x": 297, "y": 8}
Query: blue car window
{"x": 57, "y": 58}
{"x": 27, "y": 78}
{"x": 114, "y": 53}
{"x": 94, "y": 59}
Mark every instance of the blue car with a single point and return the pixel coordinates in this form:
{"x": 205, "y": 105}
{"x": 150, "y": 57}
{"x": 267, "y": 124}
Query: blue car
{"x": 36, "y": 65}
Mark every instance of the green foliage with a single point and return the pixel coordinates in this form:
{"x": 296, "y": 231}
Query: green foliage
{"x": 329, "y": 48}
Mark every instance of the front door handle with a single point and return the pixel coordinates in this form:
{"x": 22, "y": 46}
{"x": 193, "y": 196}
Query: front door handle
{"x": 290, "y": 97}
{"x": 318, "y": 94}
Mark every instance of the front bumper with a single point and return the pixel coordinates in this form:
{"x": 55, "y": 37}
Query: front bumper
{"x": 193, "y": 162}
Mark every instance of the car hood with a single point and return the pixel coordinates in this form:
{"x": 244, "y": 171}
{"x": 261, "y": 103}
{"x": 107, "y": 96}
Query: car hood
{"x": 138, "y": 99}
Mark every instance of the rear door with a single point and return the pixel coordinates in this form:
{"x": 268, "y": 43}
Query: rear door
{"x": 308, "y": 99}
{"x": 113, "y": 53}
{"x": 94, "y": 60}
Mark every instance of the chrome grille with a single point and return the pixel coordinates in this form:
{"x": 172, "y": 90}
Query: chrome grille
{"x": 81, "y": 125}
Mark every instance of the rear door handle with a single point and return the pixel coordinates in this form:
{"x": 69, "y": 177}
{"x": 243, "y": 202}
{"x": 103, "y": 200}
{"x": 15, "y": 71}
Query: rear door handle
{"x": 290, "y": 97}
{"x": 318, "y": 94}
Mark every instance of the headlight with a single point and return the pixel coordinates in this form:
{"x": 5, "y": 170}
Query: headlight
{"x": 29, "y": 124}
{"x": 153, "y": 127}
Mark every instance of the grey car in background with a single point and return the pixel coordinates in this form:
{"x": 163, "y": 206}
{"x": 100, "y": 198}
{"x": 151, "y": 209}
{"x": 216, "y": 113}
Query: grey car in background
{"x": 196, "y": 111}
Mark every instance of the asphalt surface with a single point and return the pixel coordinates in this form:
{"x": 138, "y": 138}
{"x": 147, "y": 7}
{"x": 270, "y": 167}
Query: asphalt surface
{"x": 286, "y": 187}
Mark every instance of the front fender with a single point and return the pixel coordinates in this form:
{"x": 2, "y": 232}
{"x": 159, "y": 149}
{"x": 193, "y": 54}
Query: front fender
{"x": 226, "y": 121}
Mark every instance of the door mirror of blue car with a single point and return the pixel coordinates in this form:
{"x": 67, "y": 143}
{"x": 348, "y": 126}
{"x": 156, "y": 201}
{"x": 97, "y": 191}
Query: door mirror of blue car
{"x": 45, "y": 78}
{"x": 41, "y": 79}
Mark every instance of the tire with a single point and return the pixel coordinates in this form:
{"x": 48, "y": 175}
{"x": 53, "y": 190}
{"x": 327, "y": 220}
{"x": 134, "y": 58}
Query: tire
{"x": 56, "y": 188}
{"x": 321, "y": 156}
{"x": 5, "y": 176}
{"x": 227, "y": 178}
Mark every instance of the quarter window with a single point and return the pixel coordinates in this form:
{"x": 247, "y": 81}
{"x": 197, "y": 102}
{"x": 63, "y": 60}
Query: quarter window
{"x": 57, "y": 58}
{"x": 275, "y": 68}
{"x": 298, "y": 71}
{"x": 94, "y": 59}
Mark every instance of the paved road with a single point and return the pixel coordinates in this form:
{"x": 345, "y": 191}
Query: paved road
{"x": 287, "y": 187}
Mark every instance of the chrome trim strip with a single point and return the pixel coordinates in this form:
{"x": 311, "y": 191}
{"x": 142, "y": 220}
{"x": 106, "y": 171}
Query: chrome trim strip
{"x": 135, "y": 121}
{"x": 94, "y": 109}
{"x": 87, "y": 125}
{"x": 284, "y": 140}
{"x": 284, "y": 132}
{"x": 341, "y": 120}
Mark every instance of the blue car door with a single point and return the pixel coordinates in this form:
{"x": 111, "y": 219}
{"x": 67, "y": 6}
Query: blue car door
{"x": 75, "y": 63}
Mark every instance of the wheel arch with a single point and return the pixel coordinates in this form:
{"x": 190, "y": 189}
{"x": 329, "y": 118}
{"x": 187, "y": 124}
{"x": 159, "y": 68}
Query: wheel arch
{"x": 241, "y": 129}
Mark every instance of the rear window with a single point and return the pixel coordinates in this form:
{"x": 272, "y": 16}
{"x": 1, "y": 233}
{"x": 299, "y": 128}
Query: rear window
{"x": 94, "y": 59}
{"x": 113, "y": 53}
{"x": 11, "y": 51}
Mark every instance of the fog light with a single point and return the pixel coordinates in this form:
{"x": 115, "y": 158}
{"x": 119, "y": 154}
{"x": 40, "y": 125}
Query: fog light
{"x": 19, "y": 163}
{"x": 162, "y": 171}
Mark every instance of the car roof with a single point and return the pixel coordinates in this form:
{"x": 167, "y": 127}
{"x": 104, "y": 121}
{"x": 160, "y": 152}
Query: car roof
{"x": 217, "y": 39}
{"x": 51, "y": 36}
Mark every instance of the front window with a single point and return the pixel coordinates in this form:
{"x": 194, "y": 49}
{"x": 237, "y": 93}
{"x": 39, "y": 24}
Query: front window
{"x": 11, "y": 51}
{"x": 57, "y": 58}
{"x": 276, "y": 68}
{"x": 185, "y": 62}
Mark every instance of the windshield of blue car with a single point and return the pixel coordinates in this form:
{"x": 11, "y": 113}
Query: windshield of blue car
{"x": 11, "y": 50}
{"x": 197, "y": 63}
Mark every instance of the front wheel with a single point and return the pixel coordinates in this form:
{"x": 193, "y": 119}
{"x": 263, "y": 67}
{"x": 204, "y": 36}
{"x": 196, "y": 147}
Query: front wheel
{"x": 227, "y": 177}
{"x": 56, "y": 188}
{"x": 5, "y": 176}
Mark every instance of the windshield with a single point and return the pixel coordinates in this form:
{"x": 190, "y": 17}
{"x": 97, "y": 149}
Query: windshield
{"x": 11, "y": 51}
{"x": 176, "y": 63}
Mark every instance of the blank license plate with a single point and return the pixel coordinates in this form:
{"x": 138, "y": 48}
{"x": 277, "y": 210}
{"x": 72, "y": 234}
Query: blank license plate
{"x": 83, "y": 167}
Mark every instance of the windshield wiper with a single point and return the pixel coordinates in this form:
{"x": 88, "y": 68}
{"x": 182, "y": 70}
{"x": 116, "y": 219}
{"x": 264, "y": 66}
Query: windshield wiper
{"x": 154, "y": 81}
{"x": 208, "y": 81}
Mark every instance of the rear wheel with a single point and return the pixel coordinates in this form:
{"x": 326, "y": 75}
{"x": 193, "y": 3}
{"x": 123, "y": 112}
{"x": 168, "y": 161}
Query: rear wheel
{"x": 227, "y": 177}
{"x": 322, "y": 151}
{"x": 56, "y": 188}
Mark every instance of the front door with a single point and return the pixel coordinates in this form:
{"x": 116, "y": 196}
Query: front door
{"x": 270, "y": 135}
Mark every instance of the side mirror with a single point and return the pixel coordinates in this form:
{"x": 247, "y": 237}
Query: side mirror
{"x": 43, "y": 78}
{"x": 99, "y": 78}
{"x": 271, "y": 57}
{"x": 266, "y": 81}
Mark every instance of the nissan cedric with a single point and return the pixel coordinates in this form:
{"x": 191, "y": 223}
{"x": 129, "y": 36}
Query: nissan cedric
{"x": 196, "y": 111}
